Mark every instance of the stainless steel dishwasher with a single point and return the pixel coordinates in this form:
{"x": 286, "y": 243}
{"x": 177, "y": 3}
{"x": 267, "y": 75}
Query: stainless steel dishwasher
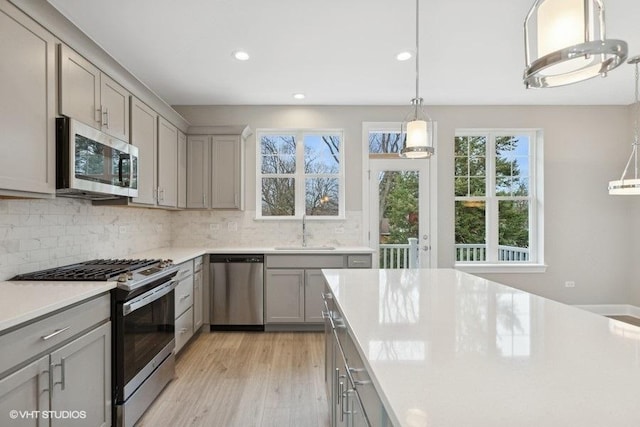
{"x": 237, "y": 292}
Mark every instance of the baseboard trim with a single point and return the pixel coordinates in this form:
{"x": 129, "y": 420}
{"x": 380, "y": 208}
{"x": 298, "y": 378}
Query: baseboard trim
{"x": 612, "y": 309}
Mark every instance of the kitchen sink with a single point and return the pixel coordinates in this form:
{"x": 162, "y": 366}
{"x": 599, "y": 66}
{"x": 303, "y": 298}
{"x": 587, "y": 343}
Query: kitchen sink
{"x": 305, "y": 248}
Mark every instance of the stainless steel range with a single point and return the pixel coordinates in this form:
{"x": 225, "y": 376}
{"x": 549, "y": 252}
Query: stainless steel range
{"x": 142, "y": 315}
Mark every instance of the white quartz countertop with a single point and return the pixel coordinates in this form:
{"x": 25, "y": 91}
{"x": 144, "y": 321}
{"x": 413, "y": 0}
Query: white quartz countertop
{"x": 180, "y": 255}
{"x": 445, "y": 348}
{"x": 24, "y": 301}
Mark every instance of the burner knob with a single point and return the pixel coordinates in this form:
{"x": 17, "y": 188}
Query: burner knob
{"x": 129, "y": 275}
{"x": 123, "y": 278}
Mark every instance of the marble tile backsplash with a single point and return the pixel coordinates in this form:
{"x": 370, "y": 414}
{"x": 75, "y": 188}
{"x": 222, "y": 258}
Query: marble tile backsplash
{"x": 40, "y": 234}
{"x": 213, "y": 229}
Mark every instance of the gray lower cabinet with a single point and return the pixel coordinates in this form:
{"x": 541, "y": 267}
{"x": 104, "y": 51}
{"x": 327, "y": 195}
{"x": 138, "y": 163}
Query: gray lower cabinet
{"x": 294, "y": 285}
{"x": 284, "y": 296}
{"x": 314, "y": 285}
{"x": 27, "y": 105}
{"x": 59, "y": 363}
{"x": 184, "y": 305}
{"x": 188, "y": 301}
{"x": 353, "y": 400}
{"x": 198, "y": 291}
{"x": 82, "y": 378}
{"x": 25, "y": 390}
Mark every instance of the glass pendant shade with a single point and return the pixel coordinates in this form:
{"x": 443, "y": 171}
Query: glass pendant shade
{"x": 565, "y": 43}
{"x": 419, "y": 131}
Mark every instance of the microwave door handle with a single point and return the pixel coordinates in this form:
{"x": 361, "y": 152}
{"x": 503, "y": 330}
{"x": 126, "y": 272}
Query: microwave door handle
{"x": 121, "y": 160}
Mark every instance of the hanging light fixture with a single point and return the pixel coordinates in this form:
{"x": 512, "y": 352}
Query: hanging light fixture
{"x": 630, "y": 186}
{"x": 417, "y": 125}
{"x": 565, "y": 43}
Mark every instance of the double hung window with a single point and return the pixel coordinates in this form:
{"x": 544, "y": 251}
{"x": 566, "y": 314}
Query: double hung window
{"x": 300, "y": 172}
{"x": 498, "y": 202}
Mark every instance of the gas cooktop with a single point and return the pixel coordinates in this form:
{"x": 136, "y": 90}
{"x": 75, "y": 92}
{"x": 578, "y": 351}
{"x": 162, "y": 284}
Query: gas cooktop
{"x": 94, "y": 270}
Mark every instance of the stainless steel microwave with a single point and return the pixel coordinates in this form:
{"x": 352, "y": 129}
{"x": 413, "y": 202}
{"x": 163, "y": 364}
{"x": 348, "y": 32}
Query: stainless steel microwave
{"x": 93, "y": 165}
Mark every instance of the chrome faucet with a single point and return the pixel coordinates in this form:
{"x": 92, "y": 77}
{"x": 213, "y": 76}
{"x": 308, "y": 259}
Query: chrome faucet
{"x": 304, "y": 230}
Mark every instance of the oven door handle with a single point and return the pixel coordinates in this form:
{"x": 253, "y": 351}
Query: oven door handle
{"x": 149, "y": 297}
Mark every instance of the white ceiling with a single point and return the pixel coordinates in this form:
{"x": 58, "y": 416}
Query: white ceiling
{"x": 338, "y": 52}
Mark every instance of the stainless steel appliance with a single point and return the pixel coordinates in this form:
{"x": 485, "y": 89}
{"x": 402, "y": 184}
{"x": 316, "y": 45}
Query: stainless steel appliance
{"x": 143, "y": 325}
{"x": 93, "y": 165}
{"x": 237, "y": 292}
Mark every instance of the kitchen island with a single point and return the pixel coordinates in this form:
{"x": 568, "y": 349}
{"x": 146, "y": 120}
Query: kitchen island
{"x": 445, "y": 348}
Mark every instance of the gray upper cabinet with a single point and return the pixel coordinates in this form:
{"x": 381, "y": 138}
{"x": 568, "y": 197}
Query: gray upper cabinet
{"x": 197, "y": 171}
{"x": 144, "y": 131}
{"x": 215, "y": 167}
{"x": 226, "y": 172}
{"x": 114, "y": 101}
{"x": 167, "y": 164}
{"x": 182, "y": 170}
{"x": 88, "y": 95}
{"x": 27, "y": 105}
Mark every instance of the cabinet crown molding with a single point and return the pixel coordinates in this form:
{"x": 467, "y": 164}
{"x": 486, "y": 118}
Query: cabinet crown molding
{"x": 242, "y": 130}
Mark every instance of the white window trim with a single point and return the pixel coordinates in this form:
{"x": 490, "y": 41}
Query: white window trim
{"x": 299, "y": 175}
{"x": 536, "y": 211}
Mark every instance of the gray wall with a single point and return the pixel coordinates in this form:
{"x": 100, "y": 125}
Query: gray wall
{"x": 589, "y": 235}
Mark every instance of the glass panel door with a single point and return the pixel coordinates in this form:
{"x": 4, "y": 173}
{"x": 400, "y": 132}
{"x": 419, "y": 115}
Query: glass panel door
{"x": 399, "y": 213}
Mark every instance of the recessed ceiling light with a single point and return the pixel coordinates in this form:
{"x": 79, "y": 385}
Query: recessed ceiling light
{"x": 241, "y": 55}
{"x": 403, "y": 56}
{"x": 299, "y": 95}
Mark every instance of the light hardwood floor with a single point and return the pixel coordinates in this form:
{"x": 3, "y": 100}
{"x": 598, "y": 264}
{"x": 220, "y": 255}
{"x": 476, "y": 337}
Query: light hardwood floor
{"x": 244, "y": 379}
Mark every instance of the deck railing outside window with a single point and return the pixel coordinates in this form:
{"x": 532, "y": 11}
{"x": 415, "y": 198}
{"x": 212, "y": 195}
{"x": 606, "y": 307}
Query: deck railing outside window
{"x": 478, "y": 252}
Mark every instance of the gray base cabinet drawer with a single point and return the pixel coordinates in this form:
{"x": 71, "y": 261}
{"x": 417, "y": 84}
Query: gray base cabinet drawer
{"x": 184, "y": 329}
{"x": 359, "y": 261}
{"x": 184, "y": 295}
{"x": 31, "y": 340}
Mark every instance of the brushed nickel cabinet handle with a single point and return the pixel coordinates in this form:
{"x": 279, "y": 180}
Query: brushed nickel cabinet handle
{"x": 54, "y": 333}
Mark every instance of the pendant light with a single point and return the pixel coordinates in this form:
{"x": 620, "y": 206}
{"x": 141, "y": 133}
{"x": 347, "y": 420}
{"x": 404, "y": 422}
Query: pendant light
{"x": 565, "y": 43}
{"x": 417, "y": 125}
{"x": 630, "y": 186}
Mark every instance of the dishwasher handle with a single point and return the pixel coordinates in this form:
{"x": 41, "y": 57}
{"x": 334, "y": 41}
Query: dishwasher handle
{"x": 240, "y": 258}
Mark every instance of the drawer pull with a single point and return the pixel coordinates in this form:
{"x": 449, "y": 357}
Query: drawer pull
{"x": 184, "y": 297}
{"x": 183, "y": 330}
{"x": 54, "y": 333}
{"x": 361, "y": 382}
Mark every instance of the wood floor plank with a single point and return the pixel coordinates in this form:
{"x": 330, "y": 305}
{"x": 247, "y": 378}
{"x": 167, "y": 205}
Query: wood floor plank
{"x": 243, "y": 379}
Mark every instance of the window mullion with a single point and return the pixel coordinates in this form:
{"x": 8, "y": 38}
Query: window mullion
{"x": 300, "y": 183}
{"x": 492, "y": 203}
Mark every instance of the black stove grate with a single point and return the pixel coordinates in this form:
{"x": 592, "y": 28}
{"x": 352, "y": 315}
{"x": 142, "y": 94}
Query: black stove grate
{"x": 94, "y": 270}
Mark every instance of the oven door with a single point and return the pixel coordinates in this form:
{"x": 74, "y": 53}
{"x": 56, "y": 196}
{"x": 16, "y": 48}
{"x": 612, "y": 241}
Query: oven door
{"x": 147, "y": 336}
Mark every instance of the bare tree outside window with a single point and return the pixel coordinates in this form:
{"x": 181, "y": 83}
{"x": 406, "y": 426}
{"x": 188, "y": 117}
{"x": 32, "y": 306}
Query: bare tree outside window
{"x": 320, "y": 175}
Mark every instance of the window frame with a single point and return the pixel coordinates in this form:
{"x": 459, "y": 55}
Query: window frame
{"x": 300, "y": 175}
{"x": 535, "y": 264}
